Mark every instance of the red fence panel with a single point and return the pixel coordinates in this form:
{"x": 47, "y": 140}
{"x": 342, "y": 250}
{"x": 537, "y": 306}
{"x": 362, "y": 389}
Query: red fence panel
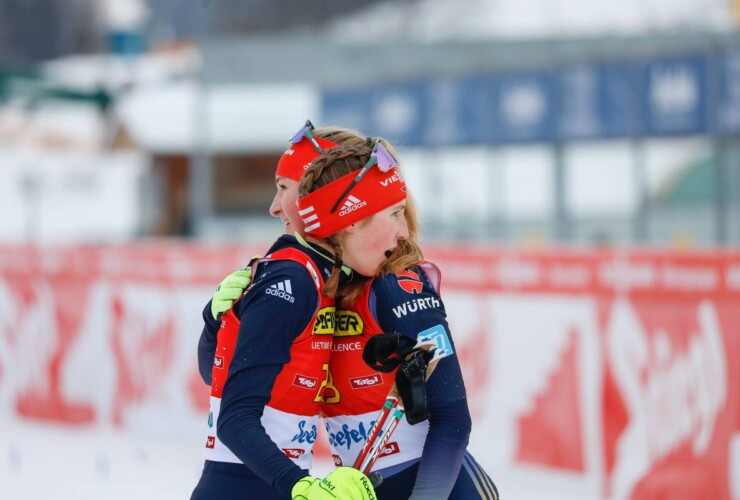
{"x": 595, "y": 374}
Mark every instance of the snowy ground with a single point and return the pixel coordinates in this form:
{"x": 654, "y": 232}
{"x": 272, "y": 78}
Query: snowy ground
{"x": 42, "y": 461}
{"x": 58, "y": 462}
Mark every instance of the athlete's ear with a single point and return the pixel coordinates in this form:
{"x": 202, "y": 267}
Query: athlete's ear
{"x": 351, "y": 229}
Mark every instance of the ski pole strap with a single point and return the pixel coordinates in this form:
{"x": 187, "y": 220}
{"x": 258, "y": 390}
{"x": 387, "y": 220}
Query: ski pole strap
{"x": 411, "y": 385}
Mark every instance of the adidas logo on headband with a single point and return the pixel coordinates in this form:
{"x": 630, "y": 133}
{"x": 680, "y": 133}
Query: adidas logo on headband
{"x": 351, "y": 205}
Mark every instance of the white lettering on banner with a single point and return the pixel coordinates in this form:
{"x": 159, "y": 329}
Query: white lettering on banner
{"x": 624, "y": 275}
{"x": 732, "y": 277}
{"x": 32, "y": 344}
{"x": 142, "y": 342}
{"x": 465, "y": 274}
{"x": 516, "y": 273}
{"x": 569, "y": 276}
{"x": 691, "y": 279}
{"x": 671, "y": 397}
{"x": 414, "y": 305}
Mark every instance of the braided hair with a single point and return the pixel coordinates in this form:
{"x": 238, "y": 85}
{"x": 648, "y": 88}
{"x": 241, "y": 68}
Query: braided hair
{"x": 341, "y": 136}
{"x": 328, "y": 167}
{"x": 352, "y": 154}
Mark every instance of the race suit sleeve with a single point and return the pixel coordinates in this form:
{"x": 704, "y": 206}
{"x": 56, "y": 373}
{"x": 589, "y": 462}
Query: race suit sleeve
{"x": 408, "y": 304}
{"x": 207, "y": 344}
{"x": 269, "y": 325}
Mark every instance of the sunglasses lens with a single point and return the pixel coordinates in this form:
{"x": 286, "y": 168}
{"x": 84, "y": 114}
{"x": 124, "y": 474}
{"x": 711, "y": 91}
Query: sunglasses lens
{"x": 298, "y": 135}
{"x": 386, "y": 161}
{"x": 305, "y": 131}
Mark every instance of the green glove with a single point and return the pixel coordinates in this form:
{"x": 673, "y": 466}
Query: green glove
{"x": 230, "y": 289}
{"x": 345, "y": 483}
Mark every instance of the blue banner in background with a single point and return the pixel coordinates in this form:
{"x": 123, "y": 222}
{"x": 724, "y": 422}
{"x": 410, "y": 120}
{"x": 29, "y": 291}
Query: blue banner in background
{"x": 674, "y": 96}
{"x": 398, "y": 113}
{"x": 348, "y": 108}
{"x": 522, "y": 108}
{"x": 581, "y": 115}
{"x": 620, "y": 101}
{"x": 597, "y": 102}
{"x": 667, "y": 96}
{"x": 455, "y": 112}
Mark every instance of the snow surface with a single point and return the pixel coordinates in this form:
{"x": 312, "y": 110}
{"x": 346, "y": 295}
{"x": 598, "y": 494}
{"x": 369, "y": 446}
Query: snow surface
{"x": 40, "y": 461}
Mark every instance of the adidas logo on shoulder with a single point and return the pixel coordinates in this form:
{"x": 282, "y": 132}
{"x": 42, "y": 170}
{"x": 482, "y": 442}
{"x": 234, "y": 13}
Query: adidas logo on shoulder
{"x": 282, "y": 290}
{"x": 353, "y": 203}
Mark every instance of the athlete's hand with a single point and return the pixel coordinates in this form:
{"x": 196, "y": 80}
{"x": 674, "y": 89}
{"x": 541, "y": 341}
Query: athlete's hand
{"x": 230, "y": 289}
{"x": 345, "y": 483}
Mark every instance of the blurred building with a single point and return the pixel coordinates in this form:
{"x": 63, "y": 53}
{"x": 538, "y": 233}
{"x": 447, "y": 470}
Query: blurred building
{"x": 586, "y": 123}
{"x": 37, "y": 31}
{"x": 580, "y": 141}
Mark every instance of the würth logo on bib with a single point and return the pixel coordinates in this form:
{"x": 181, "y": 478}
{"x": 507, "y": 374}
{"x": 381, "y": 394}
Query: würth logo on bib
{"x": 304, "y": 381}
{"x": 353, "y": 203}
{"x": 218, "y": 362}
{"x": 282, "y": 290}
{"x": 369, "y": 381}
{"x": 210, "y": 442}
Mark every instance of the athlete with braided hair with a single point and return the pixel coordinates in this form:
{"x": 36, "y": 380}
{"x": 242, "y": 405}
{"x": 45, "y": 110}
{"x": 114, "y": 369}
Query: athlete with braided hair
{"x": 269, "y": 363}
{"x": 427, "y": 459}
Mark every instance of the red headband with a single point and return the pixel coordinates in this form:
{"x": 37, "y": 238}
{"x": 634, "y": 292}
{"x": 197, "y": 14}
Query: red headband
{"x": 296, "y": 159}
{"x": 376, "y": 191}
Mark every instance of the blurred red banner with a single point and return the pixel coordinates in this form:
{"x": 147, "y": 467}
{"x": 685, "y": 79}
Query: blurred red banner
{"x": 612, "y": 373}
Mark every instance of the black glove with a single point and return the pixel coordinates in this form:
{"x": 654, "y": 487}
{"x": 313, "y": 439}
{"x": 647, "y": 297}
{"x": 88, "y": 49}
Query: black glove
{"x": 385, "y": 351}
{"x": 411, "y": 384}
